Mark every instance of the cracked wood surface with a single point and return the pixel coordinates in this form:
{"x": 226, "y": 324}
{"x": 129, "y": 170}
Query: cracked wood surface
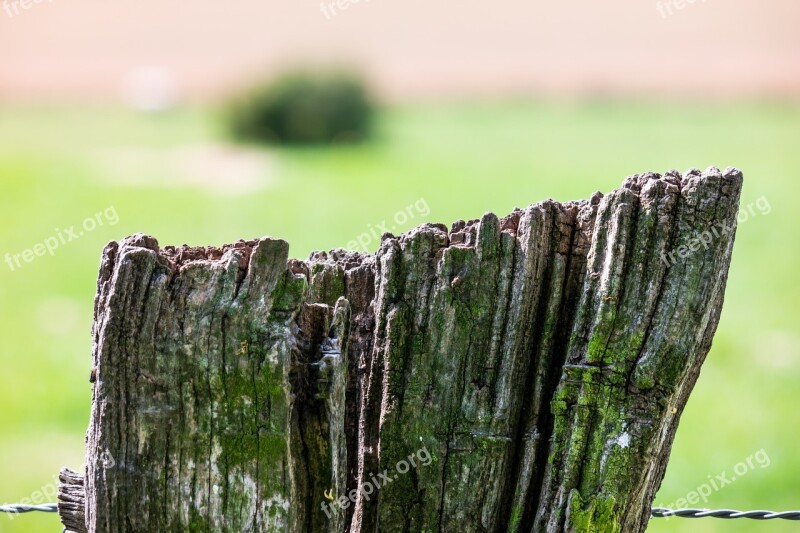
{"x": 541, "y": 361}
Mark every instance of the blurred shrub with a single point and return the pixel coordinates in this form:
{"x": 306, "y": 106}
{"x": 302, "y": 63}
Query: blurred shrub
{"x": 304, "y": 109}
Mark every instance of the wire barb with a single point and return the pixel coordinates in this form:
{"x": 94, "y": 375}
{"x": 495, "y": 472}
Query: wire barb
{"x": 17, "y": 508}
{"x": 727, "y": 514}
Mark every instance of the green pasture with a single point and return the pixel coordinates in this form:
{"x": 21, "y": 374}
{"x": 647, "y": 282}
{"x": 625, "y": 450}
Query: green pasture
{"x": 175, "y": 176}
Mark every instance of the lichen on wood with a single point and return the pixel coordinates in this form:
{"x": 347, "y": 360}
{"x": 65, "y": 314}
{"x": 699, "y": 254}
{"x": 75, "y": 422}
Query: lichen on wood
{"x": 541, "y": 361}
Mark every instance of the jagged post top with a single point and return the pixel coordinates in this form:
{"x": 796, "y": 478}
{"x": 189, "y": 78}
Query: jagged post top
{"x": 459, "y": 232}
{"x": 541, "y": 361}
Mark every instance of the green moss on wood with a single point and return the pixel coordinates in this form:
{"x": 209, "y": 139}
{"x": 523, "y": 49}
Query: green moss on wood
{"x": 595, "y": 516}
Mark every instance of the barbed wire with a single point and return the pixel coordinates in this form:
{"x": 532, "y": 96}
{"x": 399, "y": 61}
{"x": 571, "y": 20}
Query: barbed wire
{"x": 656, "y": 512}
{"x": 663, "y": 512}
{"x": 17, "y": 508}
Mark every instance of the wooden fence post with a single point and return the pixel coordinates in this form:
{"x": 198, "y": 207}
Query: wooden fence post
{"x": 516, "y": 374}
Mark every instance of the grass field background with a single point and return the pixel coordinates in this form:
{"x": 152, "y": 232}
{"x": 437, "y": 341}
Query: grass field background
{"x": 154, "y": 172}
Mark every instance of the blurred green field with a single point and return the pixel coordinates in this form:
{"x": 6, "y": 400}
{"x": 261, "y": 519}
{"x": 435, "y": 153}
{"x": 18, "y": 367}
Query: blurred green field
{"x": 59, "y": 167}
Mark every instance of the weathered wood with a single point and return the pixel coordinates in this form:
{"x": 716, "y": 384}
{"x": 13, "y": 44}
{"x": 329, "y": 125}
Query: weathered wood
{"x": 515, "y": 374}
{"x": 71, "y": 501}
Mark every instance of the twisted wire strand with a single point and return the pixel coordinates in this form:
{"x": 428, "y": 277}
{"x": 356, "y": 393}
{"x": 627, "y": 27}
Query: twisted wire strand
{"x": 17, "y": 508}
{"x": 656, "y": 512}
{"x": 727, "y": 514}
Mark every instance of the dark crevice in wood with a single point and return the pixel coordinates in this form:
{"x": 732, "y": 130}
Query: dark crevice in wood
{"x": 535, "y": 356}
{"x": 359, "y": 289}
{"x": 544, "y": 424}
